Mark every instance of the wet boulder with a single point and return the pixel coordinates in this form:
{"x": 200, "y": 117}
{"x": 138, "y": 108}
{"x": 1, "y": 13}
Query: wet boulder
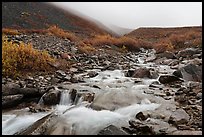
{"x": 52, "y": 97}
{"x": 112, "y": 130}
{"x": 73, "y": 94}
{"x": 114, "y": 100}
{"x": 92, "y": 74}
{"x": 149, "y": 127}
{"x": 190, "y": 72}
{"x": 40, "y": 127}
{"x": 139, "y": 128}
{"x": 164, "y": 79}
{"x": 167, "y": 54}
{"x": 10, "y": 89}
{"x": 142, "y": 73}
{"x": 141, "y": 116}
{"x": 89, "y": 97}
{"x": 30, "y": 92}
{"x": 129, "y": 73}
{"x": 11, "y": 100}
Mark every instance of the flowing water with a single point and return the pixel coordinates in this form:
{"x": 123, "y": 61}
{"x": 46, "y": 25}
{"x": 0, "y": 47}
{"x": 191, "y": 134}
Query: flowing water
{"x": 120, "y": 97}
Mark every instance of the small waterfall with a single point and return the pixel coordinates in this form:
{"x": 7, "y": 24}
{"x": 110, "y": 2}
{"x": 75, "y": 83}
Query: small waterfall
{"x": 41, "y": 102}
{"x": 79, "y": 101}
{"x": 65, "y": 98}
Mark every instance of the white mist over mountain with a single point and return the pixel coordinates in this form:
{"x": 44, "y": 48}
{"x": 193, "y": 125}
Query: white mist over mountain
{"x": 132, "y": 15}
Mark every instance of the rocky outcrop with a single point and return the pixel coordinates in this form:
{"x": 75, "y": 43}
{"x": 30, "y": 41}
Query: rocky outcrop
{"x": 190, "y": 72}
{"x": 40, "y": 127}
{"x": 179, "y": 117}
{"x": 11, "y": 100}
{"x": 112, "y": 130}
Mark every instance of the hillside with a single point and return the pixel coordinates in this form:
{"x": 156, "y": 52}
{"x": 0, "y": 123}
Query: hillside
{"x": 155, "y": 34}
{"x": 32, "y": 15}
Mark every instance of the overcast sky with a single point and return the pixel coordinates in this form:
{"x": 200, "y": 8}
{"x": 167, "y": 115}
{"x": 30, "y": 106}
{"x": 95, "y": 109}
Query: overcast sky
{"x": 140, "y": 14}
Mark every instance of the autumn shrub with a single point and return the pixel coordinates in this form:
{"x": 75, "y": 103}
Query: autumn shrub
{"x": 124, "y": 42}
{"x": 177, "y": 41}
{"x": 22, "y": 58}
{"x": 163, "y": 46}
{"x": 193, "y": 35}
{"x": 99, "y": 40}
{"x": 129, "y": 43}
{"x": 85, "y": 48}
{"x": 8, "y": 31}
{"x": 61, "y": 33}
{"x": 133, "y": 44}
{"x": 197, "y": 42}
{"x": 188, "y": 39}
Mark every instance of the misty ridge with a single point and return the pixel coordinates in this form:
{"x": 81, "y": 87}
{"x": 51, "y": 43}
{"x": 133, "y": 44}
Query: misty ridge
{"x": 133, "y": 15}
{"x": 101, "y": 68}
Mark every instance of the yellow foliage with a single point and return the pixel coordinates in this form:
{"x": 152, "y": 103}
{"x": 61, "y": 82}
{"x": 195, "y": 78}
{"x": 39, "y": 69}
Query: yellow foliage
{"x": 22, "y": 58}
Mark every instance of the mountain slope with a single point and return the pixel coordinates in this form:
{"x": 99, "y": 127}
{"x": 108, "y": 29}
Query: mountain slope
{"x": 160, "y": 33}
{"x": 40, "y": 15}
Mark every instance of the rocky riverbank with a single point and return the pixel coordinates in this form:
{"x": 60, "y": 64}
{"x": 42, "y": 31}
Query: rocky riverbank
{"x": 106, "y": 92}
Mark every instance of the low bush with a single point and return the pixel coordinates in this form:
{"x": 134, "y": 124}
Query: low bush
{"x": 22, "y": 58}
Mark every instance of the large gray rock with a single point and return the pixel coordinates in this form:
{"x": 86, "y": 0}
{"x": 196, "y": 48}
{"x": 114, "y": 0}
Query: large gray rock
{"x": 114, "y": 100}
{"x": 30, "y": 92}
{"x": 149, "y": 127}
{"x": 112, "y": 130}
{"x": 10, "y": 89}
{"x": 142, "y": 73}
{"x": 11, "y": 100}
{"x": 40, "y": 127}
{"x": 188, "y": 52}
{"x": 179, "y": 117}
{"x": 190, "y": 72}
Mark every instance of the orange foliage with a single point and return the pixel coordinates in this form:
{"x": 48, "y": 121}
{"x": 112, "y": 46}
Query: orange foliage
{"x": 10, "y": 31}
{"x": 188, "y": 39}
{"x": 85, "y": 48}
{"x": 163, "y": 46}
{"x": 61, "y": 33}
{"x": 121, "y": 42}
